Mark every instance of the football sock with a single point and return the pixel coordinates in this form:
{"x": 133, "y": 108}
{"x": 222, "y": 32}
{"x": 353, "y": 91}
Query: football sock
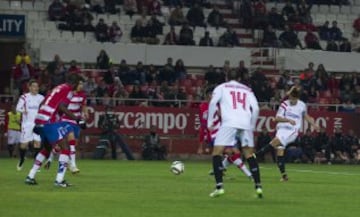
{"x": 72, "y": 153}
{"x": 226, "y": 162}
{"x": 22, "y": 153}
{"x": 63, "y": 162}
{"x": 264, "y": 149}
{"x": 39, "y": 159}
{"x": 240, "y": 164}
{"x": 217, "y": 167}
{"x": 281, "y": 164}
{"x": 36, "y": 151}
{"x": 11, "y": 150}
{"x": 255, "y": 170}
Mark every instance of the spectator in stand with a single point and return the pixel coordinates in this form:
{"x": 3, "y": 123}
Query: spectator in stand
{"x": 157, "y": 25}
{"x": 186, "y": 35}
{"x": 246, "y": 14}
{"x": 171, "y": 38}
{"x": 89, "y": 85}
{"x": 23, "y": 72}
{"x": 352, "y": 144}
{"x": 211, "y": 77}
{"x": 289, "y": 38}
{"x": 312, "y": 41}
{"x": 103, "y": 60}
{"x": 154, "y": 7}
{"x": 275, "y": 19}
{"x": 288, "y": 11}
{"x": 335, "y": 32}
{"x": 338, "y": 144}
{"x": 260, "y": 17}
{"x": 53, "y": 64}
{"x": 332, "y": 46}
{"x": 324, "y": 31}
{"x": 167, "y": 73}
{"x": 73, "y": 67}
{"x": 215, "y": 18}
{"x": 151, "y": 30}
{"x": 242, "y": 72}
{"x": 345, "y": 45}
{"x": 355, "y": 42}
{"x": 356, "y": 24}
{"x": 348, "y": 106}
{"x": 59, "y": 75}
{"x": 180, "y": 70}
{"x": 139, "y": 73}
{"x": 356, "y": 95}
{"x": 56, "y": 11}
{"x": 320, "y": 78}
{"x": 101, "y": 91}
{"x": 97, "y": 6}
{"x": 115, "y": 32}
{"x": 87, "y": 19}
{"x": 74, "y": 20}
{"x": 130, "y": 7}
{"x": 269, "y": 38}
{"x": 138, "y": 33}
{"x": 303, "y": 11}
{"x": 177, "y": 17}
{"x": 101, "y": 31}
{"x": 206, "y": 41}
{"x": 22, "y": 56}
{"x": 228, "y": 39}
{"x": 110, "y": 6}
{"x": 136, "y": 93}
{"x": 195, "y": 16}
{"x": 122, "y": 72}
{"x": 307, "y": 145}
{"x": 322, "y": 147}
{"x": 152, "y": 74}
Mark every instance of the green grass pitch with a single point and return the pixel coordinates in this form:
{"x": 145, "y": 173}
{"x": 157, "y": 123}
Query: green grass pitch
{"x": 149, "y": 189}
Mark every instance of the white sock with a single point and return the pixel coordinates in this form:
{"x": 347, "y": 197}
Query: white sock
{"x": 226, "y": 163}
{"x": 240, "y": 164}
{"x": 72, "y": 156}
{"x": 63, "y": 161}
{"x": 37, "y": 164}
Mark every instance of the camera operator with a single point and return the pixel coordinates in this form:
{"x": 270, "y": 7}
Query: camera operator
{"x": 152, "y": 148}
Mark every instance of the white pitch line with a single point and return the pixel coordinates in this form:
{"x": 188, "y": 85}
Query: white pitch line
{"x": 319, "y": 171}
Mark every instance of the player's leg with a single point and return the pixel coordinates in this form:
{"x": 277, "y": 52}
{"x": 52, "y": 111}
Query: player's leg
{"x": 11, "y": 142}
{"x": 36, "y": 144}
{"x": 73, "y": 139}
{"x": 22, "y": 153}
{"x": 64, "y": 158}
{"x": 25, "y": 138}
{"x": 281, "y": 140}
{"x": 235, "y": 158}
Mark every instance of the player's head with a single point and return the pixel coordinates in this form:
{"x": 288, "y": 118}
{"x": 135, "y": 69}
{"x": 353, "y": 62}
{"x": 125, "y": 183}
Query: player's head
{"x": 294, "y": 96}
{"x": 74, "y": 80}
{"x": 80, "y": 85}
{"x": 33, "y": 86}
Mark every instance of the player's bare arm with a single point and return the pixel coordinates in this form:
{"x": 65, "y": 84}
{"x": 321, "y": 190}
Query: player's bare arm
{"x": 311, "y": 121}
{"x": 64, "y": 110}
{"x": 284, "y": 120}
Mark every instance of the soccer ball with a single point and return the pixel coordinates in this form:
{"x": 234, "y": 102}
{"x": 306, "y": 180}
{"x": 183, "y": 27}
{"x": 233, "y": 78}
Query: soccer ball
{"x": 177, "y": 167}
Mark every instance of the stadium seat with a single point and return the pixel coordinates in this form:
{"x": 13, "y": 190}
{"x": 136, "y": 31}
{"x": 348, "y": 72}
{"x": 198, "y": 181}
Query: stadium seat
{"x": 4, "y": 5}
{"x": 355, "y": 10}
{"x": 324, "y": 9}
{"x": 15, "y": 5}
{"x": 27, "y": 5}
{"x": 65, "y": 35}
{"x": 79, "y": 36}
{"x": 32, "y": 15}
{"x": 331, "y": 17}
{"x": 39, "y": 6}
{"x": 345, "y": 9}
{"x": 334, "y": 9}
{"x": 55, "y": 35}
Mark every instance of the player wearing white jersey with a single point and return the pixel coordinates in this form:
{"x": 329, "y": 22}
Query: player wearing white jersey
{"x": 289, "y": 118}
{"x": 28, "y": 105}
{"x": 239, "y": 111}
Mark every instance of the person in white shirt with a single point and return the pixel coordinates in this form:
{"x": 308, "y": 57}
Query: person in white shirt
{"x": 239, "y": 112}
{"x": 289, "y": 118}
{"x": 28, "y": 106}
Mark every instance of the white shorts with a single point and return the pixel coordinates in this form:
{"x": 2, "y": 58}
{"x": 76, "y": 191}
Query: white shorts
{"x": 226, "y": 136}
{"x": 13, "y": 137}
{"x": 286, "y": 136}
{"x": 27, "y": 134}
{"x": 246, "y": 138}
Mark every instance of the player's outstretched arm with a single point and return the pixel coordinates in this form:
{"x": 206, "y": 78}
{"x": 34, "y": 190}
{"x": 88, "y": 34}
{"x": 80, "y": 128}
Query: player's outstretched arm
{"x": 284, "y": 120}
{"x": 311, "y": 121}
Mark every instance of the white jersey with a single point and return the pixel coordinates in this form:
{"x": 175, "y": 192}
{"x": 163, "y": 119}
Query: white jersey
{"x": 238, "y": 105}
{"x": 28, "y": 105}
{"x": 292, "y": 112}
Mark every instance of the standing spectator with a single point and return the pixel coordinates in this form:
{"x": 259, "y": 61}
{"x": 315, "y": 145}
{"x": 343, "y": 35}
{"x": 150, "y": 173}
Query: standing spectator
{"x": 289, "y": 39}
{"x": 242, "y": 72}
{"x": 180, "y": 70}
{"x": 22, "y": 74}
{"x": 59, "y": 75}
{"x": 215, "y": 18}
{"x": 269, "y": 38}
{"x": 275, "y": 19}
{"x": 154, "y": 7}
{"x": 324, "y": 31}
{"x": 177, "y": 17}
{"x": 171, "y": 38}
{"x": 122, "y": 72}
{"x": 186, "y": 35}
{"x": 157, "y": 25}
{"x": 307, "y": 144}
{"x": 260, "y": 14}
{"x": 167, "y": 73}
{"x": 206, "y": 41}
{"x": 56, "y": 11}
{"x": 101, "y": 31}
{"x": 22, "y": 56}
{"x": 332, "y": 46}
{"x": 312, "y": 41}
{"x": 288, "y": 11}
{"x": 152, "y": 149}
{"x": 335, "y": 32}
{"x": 195, "y": 16}
{"x": 356, "y": 24}
{"x": 87, "y": 18}
{"x": 130, "y": 7}
{"x": 138, "y": 34}
{"x": 345, "y": 45}
{"x": 102, "y": 60}
{"x": 246, "y": 14}
{"x": 115, "y": 32}
{"x": 151, "y": 30}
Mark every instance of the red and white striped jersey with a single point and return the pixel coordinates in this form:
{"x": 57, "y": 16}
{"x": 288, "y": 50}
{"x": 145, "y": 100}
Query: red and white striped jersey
{"x": 293, "y": 112}
{"x": 205, "y": 133}
{"x": 48, "y": 112}
{"x": 28, "y": 105}
{"x": 75, "y": 106}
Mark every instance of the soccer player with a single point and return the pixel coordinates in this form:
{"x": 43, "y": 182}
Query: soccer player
{"x": 77, "y": 106}
{"x": 239, "y": 111}
{"x": 28, "y": 105}
{"x": 52, "y": 131}
{"x": 207, "y": 137}
{"x": 13, "y": 120}
{"x": 289, "y": 118}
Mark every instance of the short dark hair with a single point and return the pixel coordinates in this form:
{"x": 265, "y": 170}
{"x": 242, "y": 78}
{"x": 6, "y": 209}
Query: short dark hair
{"x": 73, "y": 79}
{"x": 31, "y": 81}
{"x": 295, "y": 93}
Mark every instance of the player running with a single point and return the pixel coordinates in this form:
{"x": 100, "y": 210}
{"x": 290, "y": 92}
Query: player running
{"x": 207, "y": 137}
{"x": 289, "y": 118}
{"x": 239, "y": 111}
{"x": 28, "y": 105}
{"x": 52, "y": 131}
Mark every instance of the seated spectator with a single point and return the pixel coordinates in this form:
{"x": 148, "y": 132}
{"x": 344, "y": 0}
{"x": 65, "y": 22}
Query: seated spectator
{"x": 56, "y": 11}
{"x": 122, "y": 72}
{"x": 288, "y": 11}
{"x": 110, "y": 6}
{"x": 101, "y": 31}
{"x": 356, "y": 24}
{"x": 324, "y": 31}
{"x": 211, "y": 76}
{"x": 338, "y": 144}
{"x": 152, "y": 149}
{"x": 289, "y": 39}
{"x": 312, "y": 41}
{"x": 269, "y": 38}
{"x": 73, "y": 67}
{"x": 332, "y": 46}
{"x": 167, "y": 74}
{"x": 177, "y": 17}
{"x": 130, "y": 7}
{"x": 345, "y": 45}
{"x": 157, "y": 25}
{"x": 186, "y": 35}
{"x": 229, "y": 39}
{"x": 307, "y": 145}
{"x": 87, "y": 18}
{"x": 348, "y": 106}
{"x": 180, "y": 70}
{"x": 246, "y": 14}
{"x": 115, "y": 32}
{"x": 171, "y": 38}
{"x": 22, "y": 56}
{"x": 97, "y": 6}
{"x": 195, "y": 16}
{"x": 206, "y": 41}
{"x": 275, "y": 19}
{"x": 136, "y": 93}
{"x": 335, "y": 32}
{"x": 260, "y": 14}
{"x": 103, "y": 60}
{"x": 151, "y": 30}
{"x": 89, "y": 85}
{"x": 74, "y": 21}
{"x": 215, "y": 18}
{"x": 154, "y": 7}
{"x": 138, "y": 33}
{"x": 355, "y": 42}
